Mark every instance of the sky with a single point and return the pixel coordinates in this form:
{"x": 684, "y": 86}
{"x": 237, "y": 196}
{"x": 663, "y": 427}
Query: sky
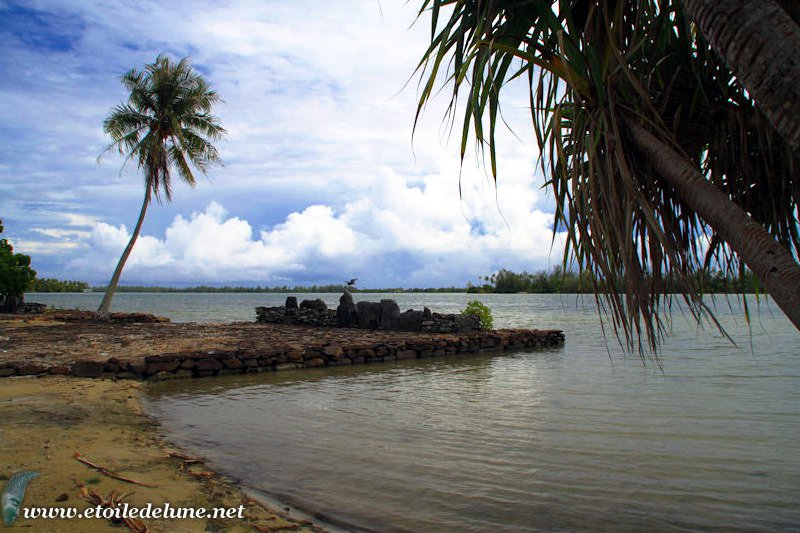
{"x": 322, "y": 180}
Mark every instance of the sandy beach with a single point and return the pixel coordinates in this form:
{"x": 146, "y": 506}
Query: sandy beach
{"x": 46, "y": 421}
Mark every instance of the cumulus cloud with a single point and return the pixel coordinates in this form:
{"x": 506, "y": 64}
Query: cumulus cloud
{"x": 394, "y": 236}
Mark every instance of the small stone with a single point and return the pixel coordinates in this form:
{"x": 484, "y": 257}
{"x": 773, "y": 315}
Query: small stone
{"x": 112, "y": 365}
{"x": 204, "y": 365}
{"x": 288, "y": 366}
{"x": 87, "y": 369}
{"x": 137, "y": 368}
{"x": 232, "y": 364}
{"x": 155, "y": 368}
{"x": 161, "y": 376}
{"x": 333, "y": 350}
{"x": 31, "y": 369}
{"x": 294, "y": 356}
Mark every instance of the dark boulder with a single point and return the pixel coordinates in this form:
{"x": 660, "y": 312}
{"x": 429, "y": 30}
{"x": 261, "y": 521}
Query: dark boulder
{"x": 409, "y": 321}
{"x": 390, "y": 314}
{"x": 369, "y": 315}
{"x": 466, "y": 323}
{"x": 346, "y": 313}
{"x": 316, "y": 305}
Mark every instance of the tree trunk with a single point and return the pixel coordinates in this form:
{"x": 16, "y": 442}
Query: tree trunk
{"x": 10, "y": 303}
{"x": 761, "y": 44}
{"x": 775, "y": 267}
{"x": 105, "y": 305}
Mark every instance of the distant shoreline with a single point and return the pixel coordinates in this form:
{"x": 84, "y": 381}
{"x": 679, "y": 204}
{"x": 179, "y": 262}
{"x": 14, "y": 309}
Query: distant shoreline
{"x": 556, "y": 281}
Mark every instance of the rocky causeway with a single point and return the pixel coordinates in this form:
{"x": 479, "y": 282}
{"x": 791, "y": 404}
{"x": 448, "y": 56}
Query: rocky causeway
{"x": 140, "y": 346}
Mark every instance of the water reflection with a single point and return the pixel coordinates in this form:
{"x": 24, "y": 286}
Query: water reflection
{"x": 562, "y": 440}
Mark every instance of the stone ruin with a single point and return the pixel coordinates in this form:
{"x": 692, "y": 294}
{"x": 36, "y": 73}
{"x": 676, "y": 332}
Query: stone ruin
{"x": 383, "y": 315}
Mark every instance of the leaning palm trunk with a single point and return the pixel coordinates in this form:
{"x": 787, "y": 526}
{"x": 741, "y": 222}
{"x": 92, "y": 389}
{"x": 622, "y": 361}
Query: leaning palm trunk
{"x": 773, "y": 264}
{"x": 761, "y": 44}
{"x": 105, "y": 305}
{"x": 166, "y": 125}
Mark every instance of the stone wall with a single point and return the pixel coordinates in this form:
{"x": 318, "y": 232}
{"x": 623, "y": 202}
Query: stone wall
{"x": 203, "y": 363}
{"x": 383, "y": 315}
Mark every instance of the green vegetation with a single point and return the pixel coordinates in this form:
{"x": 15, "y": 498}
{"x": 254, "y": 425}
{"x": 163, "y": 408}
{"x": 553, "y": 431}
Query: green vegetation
{"x": 555, "y": 281}
{"x": 57, "y": 285}
{"x": 666, "y": 150}
{"x": 484, "y": 314}
{"x": 166, "y": 126}
{"x": 568, "y": 282}
{"x": 16, "y": 276}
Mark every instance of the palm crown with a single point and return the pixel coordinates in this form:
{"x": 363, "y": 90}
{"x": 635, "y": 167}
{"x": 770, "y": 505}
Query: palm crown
{"x": 166, "y": 123}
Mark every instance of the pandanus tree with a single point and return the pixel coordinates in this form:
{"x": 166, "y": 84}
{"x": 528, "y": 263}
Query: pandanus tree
{"x": 166, "y": 126}
{"x": 668, "y": 148}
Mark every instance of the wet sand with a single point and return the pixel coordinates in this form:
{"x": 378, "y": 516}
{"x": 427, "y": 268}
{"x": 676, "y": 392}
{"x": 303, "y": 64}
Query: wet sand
{"x": 45, "y": 421}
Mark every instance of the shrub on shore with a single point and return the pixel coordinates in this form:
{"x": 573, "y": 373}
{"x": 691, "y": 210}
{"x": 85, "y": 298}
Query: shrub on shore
{"x": 480, "y": 310}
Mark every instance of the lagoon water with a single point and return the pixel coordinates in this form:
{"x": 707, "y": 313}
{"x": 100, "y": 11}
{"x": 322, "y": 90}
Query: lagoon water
{"x": 580, "y": 438}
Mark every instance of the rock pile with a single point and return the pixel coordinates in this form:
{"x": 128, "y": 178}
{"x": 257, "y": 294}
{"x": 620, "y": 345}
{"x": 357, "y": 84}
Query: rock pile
{"x": 383, "y": 315}
{"x": 31, "y": 308}
{"x": 308, "y": 313}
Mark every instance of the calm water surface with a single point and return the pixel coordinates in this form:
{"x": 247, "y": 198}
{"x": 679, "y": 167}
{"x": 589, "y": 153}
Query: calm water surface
{"x": 561, "y": 440}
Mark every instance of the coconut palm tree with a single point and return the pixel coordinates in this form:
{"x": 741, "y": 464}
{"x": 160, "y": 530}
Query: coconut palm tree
{"x": 165, "y": 126}
{"x": 660, "y": 160}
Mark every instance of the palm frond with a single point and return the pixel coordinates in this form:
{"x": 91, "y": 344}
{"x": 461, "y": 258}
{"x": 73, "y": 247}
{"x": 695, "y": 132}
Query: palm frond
{"x": 593, "y": 68}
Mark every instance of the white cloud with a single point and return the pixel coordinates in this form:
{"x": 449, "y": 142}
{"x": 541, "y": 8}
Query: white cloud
{"x": 57, "y": 233}
{"x": 395, "y": 235}
{"x": 28, "y": 247}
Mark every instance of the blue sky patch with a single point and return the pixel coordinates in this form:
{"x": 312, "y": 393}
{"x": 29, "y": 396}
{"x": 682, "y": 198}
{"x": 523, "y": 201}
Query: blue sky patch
{"x": 41, "y": 30}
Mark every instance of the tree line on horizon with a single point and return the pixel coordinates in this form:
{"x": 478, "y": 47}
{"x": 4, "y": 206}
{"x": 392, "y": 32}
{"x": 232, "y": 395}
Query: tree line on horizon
{"x": 504, "y": 281}
{"x": 560, "y": 281}
{"x": 57, "y": 285}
